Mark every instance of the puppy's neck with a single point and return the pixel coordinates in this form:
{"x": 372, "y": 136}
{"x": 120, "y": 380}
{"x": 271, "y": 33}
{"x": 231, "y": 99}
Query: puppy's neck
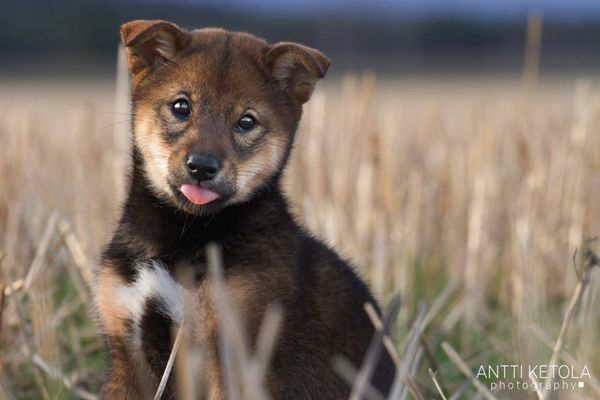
{"x": 156, "y": 229}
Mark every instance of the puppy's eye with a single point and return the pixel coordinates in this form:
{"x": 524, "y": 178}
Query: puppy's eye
{"x": 181, "y": 108}
{"x": 246, "y": 123}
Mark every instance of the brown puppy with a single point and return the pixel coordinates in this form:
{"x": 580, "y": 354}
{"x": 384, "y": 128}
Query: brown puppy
{"x": 214, "y": 119}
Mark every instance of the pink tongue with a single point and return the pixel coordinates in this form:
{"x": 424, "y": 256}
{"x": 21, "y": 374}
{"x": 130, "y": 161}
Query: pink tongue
{"x": 198, "y": 195}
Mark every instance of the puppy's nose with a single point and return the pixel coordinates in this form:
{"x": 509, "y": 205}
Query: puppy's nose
{"x": 202, "y": 168}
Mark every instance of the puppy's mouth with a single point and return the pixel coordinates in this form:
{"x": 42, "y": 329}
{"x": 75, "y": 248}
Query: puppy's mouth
{"x": 198, "y": 195}
{"x": 201, "y": 197}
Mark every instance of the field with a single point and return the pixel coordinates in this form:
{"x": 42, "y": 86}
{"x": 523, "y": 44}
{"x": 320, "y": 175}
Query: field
{"x": 473, "y": 197}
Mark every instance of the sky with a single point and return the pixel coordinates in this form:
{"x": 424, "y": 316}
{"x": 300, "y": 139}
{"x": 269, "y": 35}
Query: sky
{"x": 565, "y": 10}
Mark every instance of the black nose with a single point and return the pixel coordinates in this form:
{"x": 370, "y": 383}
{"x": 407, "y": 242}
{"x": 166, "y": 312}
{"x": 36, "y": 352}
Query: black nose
{"x": 202, "y": 168}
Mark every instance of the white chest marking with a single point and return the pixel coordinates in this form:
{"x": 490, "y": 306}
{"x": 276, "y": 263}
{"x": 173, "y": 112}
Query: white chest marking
{"x": 153, "y": 281}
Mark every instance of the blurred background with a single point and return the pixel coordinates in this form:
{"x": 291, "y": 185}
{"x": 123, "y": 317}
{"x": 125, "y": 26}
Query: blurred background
{"x": 452, "y": 151}
{"x": 78, "y": 38}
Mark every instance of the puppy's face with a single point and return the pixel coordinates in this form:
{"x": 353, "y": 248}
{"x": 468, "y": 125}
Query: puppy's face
{"x": 214, "y": 112}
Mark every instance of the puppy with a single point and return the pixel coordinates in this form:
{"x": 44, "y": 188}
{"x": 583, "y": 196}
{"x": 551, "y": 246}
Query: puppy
{"x": 214, "y": 119}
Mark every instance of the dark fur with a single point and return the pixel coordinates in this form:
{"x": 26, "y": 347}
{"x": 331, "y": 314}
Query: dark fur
{"x": 322, "y": 297}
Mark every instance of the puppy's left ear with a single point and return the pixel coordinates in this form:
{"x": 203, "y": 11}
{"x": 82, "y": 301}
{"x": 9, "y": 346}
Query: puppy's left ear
{"x": 296, "y": 68}
{"x": 149, "y": 43}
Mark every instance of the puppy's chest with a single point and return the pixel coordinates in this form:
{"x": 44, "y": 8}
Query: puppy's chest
{"x": 158, "y": 299}
{"x": 153, "y": 300}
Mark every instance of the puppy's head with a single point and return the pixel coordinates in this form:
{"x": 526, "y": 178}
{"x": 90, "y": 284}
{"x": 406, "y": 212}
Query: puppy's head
{"x": 214, "y": 112}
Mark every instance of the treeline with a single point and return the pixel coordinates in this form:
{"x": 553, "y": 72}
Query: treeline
{"x": 81, "y": 28}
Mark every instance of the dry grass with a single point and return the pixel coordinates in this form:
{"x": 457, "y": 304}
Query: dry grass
{"x": 468, "y": 196}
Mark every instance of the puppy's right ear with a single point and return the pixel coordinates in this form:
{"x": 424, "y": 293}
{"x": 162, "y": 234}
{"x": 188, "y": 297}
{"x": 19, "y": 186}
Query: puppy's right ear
{"x": 149, "y": 43}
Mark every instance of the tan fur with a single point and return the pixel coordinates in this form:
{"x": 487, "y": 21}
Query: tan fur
{"x": 155, "y": 152}
{"x": 112, "y": 311}
{"x": 253, "y": 173}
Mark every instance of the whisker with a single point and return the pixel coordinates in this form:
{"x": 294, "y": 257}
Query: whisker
{"x": 113, "y": 124}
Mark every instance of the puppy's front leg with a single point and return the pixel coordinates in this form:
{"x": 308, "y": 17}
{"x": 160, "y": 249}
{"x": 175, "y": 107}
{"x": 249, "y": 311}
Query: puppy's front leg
{"x": 121, "y": 382}
{"x": 115, "y": 319}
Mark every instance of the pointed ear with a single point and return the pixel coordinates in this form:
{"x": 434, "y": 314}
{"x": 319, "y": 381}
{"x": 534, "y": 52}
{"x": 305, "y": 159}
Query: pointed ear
{"x": 149, "y": 43}
{"x": 296, "y": 68}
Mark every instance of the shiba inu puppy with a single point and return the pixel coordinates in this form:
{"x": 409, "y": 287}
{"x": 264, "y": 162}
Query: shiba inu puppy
{"x": 214, "y": 118}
